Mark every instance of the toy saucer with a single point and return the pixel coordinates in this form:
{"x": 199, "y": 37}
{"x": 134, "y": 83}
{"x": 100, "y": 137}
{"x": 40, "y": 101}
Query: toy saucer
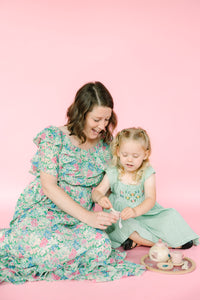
{"x": 178, "y": 265}
{"x": 166, "y": 267}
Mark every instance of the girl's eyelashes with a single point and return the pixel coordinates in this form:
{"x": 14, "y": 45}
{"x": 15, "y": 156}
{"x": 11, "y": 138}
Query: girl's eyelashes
{"x": 124, "y": 154}
{"x": 134, "y": 155}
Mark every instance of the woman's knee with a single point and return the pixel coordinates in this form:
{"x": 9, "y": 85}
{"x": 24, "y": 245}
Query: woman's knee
{"x": 102, "y": 243}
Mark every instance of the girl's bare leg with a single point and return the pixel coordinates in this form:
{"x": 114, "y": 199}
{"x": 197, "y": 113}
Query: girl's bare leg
{"x": 137, "y": 239}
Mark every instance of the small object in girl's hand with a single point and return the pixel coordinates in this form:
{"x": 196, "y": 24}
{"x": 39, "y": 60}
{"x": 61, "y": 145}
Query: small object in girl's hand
{"x": 115, "y": 212}
{"x": 118, "y": 214}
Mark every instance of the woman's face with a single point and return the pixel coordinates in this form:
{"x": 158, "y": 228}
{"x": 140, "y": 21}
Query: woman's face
{"x": 96, "y": 121}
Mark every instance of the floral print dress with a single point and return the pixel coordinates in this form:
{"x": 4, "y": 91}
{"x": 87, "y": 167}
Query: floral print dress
{"x": 45, "y": 243}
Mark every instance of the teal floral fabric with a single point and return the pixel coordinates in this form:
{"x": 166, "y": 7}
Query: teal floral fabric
{"x": 45, "y": 243}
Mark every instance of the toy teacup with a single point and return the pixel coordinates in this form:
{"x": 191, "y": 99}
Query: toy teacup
{"x": 177, "y": 258}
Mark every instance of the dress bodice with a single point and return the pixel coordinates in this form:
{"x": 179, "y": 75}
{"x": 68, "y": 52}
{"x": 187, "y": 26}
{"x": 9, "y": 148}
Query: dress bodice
{"x": 124, "y": 195}
{"x": 71, "y": 165}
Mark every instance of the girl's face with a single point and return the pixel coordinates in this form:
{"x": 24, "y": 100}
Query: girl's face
{"x": 131, "y": 155}
{"x": 96, "y": 121}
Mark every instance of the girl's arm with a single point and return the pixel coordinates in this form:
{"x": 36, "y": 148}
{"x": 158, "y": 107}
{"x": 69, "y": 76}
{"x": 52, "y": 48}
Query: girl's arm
{"x": 99, "y": 193}
{"x": 50, "y": 188}
{"x": 147, "y": 204}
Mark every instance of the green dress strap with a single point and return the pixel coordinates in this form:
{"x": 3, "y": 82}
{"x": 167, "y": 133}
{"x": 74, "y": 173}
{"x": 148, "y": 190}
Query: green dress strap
{"x": 112, "y": 174}
{"x": 148, "y": 172}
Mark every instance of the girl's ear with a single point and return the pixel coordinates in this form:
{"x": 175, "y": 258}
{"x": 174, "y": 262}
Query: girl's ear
{"x": 146, "y": 154}
{"x": 117, "y": 150}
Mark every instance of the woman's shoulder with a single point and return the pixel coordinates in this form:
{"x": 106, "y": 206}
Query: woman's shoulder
{"x": 64, "y": 130}
{"x": 50, "y": 134}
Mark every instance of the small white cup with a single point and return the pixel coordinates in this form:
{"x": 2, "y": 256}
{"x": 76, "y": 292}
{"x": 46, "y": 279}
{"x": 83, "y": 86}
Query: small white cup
{"x": 177, "y": 258}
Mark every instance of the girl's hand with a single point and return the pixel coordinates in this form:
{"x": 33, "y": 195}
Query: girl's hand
{"x": 128, "y": 213}
{"x": 104, "y": 202}
{"x": 100, "y": 219}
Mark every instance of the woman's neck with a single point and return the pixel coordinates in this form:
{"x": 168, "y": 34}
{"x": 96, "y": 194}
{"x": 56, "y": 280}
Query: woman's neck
{"x": 86, "y": 145}
{"x": 77, "y": 142}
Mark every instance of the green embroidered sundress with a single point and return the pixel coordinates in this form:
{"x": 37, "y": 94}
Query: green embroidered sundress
{"x": 158, "y": 223}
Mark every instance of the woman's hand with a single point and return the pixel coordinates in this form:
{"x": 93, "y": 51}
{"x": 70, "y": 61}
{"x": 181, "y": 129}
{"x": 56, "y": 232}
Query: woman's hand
{"x": 128, "y": 213}
{"x": 104, "y": 202}
{"x": 100, "y": 219}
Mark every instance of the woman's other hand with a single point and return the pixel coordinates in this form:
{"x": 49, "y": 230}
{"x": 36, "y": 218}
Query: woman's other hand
{"x": 100, "y": 219}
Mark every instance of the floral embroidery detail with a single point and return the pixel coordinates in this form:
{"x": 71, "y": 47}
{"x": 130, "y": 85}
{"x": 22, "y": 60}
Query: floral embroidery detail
{"x": 130, "y": 196}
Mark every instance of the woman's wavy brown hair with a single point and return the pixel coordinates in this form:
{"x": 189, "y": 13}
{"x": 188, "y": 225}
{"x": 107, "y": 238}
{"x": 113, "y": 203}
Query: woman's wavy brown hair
{"x": 90, "y": 95}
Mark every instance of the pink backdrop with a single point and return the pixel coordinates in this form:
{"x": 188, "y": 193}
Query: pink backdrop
{"x": 145, "y": 52}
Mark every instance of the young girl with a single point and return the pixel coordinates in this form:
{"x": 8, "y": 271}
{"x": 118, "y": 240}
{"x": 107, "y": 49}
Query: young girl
{"x": 133, "y": 193}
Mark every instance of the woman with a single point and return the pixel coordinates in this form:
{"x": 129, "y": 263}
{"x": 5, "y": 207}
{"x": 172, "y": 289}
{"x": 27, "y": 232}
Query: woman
{"x": 55, "y": 234}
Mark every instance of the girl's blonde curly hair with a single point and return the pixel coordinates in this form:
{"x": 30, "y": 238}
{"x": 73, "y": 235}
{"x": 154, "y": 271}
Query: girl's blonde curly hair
{"x": 136, "y": 134}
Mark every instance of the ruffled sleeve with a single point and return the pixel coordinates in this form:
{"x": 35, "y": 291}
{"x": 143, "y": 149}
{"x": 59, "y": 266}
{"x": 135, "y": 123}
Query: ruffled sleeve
{"x": 112, "y": 174}
{"x": 46, "y": 159}
{"x": 148, "y": 172}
